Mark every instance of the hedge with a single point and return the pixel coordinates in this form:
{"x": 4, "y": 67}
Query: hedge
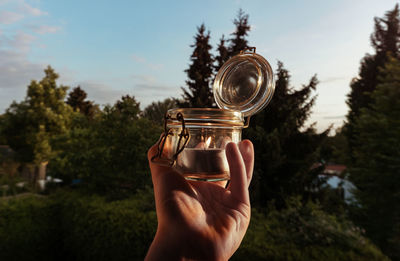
{"x": 70, "y": 225}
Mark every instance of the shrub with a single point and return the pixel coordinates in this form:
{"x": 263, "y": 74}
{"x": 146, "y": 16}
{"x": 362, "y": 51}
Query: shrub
{"x": 304, "y": 232}
{"x": 28, "y": 228}
{"x": 94, "y": 229}
{"x": 69, "y": 225}
{"x": 74, "y": 226}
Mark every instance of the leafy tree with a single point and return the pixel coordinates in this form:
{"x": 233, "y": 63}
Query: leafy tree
{"x": 385, "y": 39}
{"x": 238, "y": 42}
{"x": 76, "y": 99}
{"x": 285, "y": 148}
{"x": 109, "y": 152}
{"x": 31, "y": 125}
{"x": 376, "y": 169}
{"x": 200, "y": 72}
{"x": 127, "y": 108}
{"x": 123, "y": 139}
{"x": 156, "y": 110}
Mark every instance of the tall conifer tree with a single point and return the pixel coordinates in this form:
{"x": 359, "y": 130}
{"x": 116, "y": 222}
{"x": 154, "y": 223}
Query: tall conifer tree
{"x": 199, "y": 93}
{"x": 376, "y": 167}
{"x": 385, "y": 40}
{"x": 285, "y": 148}
{"x": 223, "y": 54}
{"x": 238, "y": 41}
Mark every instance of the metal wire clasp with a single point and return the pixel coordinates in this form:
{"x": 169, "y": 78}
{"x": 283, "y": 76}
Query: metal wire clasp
{"x": 248, "y": 49}
{"x": 161, "y": 159}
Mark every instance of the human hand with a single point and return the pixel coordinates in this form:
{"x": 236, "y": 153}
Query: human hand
{"x": 200, "y": 220}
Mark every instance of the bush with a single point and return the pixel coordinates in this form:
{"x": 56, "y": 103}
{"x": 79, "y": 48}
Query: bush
{"x": 94, "y": 229}
{"x": 28, "y": 228}
{"x": 304, "y": 232}
{"x": 73, "y": 226}
{"x": 69, "y": 225}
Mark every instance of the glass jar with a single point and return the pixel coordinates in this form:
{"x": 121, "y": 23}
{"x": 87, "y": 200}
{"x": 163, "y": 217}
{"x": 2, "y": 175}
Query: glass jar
{"x": 204, "y": 134}
{"x": 194, "y": 139}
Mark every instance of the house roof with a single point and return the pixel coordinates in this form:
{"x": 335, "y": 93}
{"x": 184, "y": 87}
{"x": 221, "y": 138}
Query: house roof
{"x": 332, "y": 169}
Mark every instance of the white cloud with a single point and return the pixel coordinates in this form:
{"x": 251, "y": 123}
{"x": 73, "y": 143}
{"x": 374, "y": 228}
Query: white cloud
{"x": 16, "y": 69}
{"x": 28, "y": 9}
{"x": 23, "y": 10}
{"x": 138, "y": 59}
{"x": 16, "y": 72}
{"x": 143, "y": 61}
{"x": 335, "y": 117}
{"x": 20, "y": 42}
{"x": 150, "y": 79}
{"x": 7, "y": 17}
{"x": 334, "y": 79}
{"x": 45, "y": 29}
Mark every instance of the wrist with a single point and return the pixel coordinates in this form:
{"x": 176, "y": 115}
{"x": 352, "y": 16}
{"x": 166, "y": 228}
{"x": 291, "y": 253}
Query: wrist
{"x": 164, "y": 248}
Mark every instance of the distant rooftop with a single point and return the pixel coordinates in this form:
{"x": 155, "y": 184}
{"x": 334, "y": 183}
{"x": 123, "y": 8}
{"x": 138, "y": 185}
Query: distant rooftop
{"x": 334, "y": 169}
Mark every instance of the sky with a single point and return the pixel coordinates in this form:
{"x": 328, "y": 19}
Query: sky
{"x": 141, "y": 48}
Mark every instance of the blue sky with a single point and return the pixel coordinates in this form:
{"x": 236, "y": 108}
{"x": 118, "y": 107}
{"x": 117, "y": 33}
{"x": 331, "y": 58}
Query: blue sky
{"x": 141, "y": 48}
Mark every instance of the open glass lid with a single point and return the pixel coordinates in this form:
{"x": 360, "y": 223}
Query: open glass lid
{"x": 244, "y": 83}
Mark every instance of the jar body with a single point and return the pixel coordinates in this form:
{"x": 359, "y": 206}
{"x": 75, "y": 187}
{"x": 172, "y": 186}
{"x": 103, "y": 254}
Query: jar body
{"x": 204, "y": 158}
{"x": 203, "y": 155}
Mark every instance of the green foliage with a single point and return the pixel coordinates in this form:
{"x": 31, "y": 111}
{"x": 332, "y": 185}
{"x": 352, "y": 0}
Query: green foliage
{"x": 199, "y": 93}
{"x": 77, "y": 100}
{"x": 109, "y": 152}
{"x": 385, "y": 40}
{"x": 303, "y": 232}
{"x": 238, "y": 42}
{"x": 200, "y": 73}
{"x": 285, "y": 150}
{"x": 156, "y": 110}
{"x": 223, "y": 54}
{"x": 74, "y": 226}
{"x": 31, "y": 125}
{"x": 335, "y": 148}
{"x": 28, "y": 229}
{"x": 376, "y": 168}
{"x": 3, "y": 139}
{"x": 94, "y": 229}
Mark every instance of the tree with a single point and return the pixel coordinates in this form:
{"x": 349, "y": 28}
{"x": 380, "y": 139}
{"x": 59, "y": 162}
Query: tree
{"x": 156, "y": 110}
{"x": 238, "y": 42}
{"x": 223, "y": 54}
{"x": 376, "y": 168}
{"x": 200, "y": 72}
{"x": 108, "y": 153}
{"x": 2, "y": 138}
{"x": 285, "y": 148}
{"x": 127, "y": 108}
{"x": 385, "y": 40}
{"x": 335, "y": 148}
{"x": 31, "y": 125}
{"x": 76, "y": 99}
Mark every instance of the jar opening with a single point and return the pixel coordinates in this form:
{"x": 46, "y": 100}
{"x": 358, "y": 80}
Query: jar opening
{"x": 207, "y": 117}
